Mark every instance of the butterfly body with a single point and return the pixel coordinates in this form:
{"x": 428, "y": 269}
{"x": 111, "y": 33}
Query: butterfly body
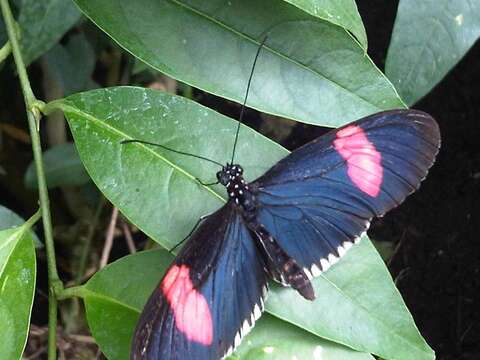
{"x": 278, "y": 264}
{"x": 290, "y": 225}
{"x": 238, "y": 191}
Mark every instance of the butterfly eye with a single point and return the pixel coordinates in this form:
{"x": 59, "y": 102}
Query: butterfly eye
{"x": 223, "y": 177}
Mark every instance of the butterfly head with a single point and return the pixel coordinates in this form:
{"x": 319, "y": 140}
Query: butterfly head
{"x": 230, "y": 173}
{"x": 231, "y": 176}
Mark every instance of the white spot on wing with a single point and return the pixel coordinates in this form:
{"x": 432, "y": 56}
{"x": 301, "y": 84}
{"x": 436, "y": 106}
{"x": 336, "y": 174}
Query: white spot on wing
{"x": 257, "y": 312}
{"x": 332, "y": 259}
{"x": 245, "y": 328}
{"x": 237, "y": 339}
{"x": 308, "y": 273}
{"x": 315, "y": 270}
{"x": 325, "y": 264}
{"x": 357, "y": 239}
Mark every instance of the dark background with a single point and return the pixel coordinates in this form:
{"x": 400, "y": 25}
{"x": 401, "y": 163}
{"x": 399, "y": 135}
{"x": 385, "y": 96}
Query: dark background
{"x": 437, "y": 263}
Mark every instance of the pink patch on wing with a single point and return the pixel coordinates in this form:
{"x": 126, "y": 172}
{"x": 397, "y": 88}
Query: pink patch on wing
{"x": 363, "y": 161}
{"x": 190, "y": 309}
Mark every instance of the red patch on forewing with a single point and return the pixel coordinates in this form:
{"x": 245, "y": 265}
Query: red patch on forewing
{"x": 191, "y": 311}
{"x": 363, "y": 161}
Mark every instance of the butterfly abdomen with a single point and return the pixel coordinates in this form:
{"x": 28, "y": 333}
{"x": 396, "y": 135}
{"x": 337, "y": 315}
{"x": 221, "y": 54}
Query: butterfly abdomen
{"x": 281, "y": 266}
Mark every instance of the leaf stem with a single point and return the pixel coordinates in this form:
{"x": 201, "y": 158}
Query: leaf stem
{"x": 33, "y": 219}
{"x": 5, "y": 50}
{"x": 71, "y": 292}
{"x": 33, "y": 117}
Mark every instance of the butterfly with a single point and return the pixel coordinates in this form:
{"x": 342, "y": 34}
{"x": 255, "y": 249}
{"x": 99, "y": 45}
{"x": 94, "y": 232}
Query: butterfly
{"x": 290, "y": 225}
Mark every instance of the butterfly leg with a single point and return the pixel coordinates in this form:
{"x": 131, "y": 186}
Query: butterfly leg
{"x": 207, "y": 184}
{"x": 282, "y": 267}
{"x": 203, "y": 217}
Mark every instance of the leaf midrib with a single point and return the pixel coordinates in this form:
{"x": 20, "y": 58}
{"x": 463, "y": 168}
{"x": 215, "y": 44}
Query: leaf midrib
{"x": 87, "y": 292}
{"x": 98, "y": 122}
{"x": 295, "y": 62}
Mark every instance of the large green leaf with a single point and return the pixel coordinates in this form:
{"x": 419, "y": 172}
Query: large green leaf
{"x": 343, "y": 13}
{"x": 275, "y": 339}
{"x": 157, "y": 191}
{"x": 429, "y": 38}
{"x": 43, "y": 23}
{"x": 8, "y": 219}
{"x": 357, "y": 305}
{"x": 309, "y": 69}
{"x": 62, "y": 168}
{"x": 115, "y": 296}
{"x": 17, "y": 285}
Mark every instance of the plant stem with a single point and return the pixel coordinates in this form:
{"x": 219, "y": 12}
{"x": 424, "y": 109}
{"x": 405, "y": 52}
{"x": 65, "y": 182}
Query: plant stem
{"x": 5, "y": 50}
{"x": 72, "y": 292}
{"x": 88, "y": 241}
{"x": 33, "y": 219}
{"x": 33, "y": 116}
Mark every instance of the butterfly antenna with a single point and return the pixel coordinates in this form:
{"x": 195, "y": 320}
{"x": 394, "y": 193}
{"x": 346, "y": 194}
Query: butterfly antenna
{"x": 170, "y": 149}
{"x": 242, "y": 111}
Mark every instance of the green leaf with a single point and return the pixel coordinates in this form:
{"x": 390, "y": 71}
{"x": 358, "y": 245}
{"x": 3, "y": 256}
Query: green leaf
{"x": 115, "y": 296}
{"x": 357, "y": 305}
{"x": 156, "y": 189}
{"x": 343, "y": 13}
{"x": 310, "y": 70}
{"x": 43, "y": 23}
{"x": 72, "y": 65}
{"x": 17, "y": 285}
{"x": 429, "y": 38}
{"x": 8, "y": 219}
{"x": 272, "y": 338}
{"x": 62, "y": 168}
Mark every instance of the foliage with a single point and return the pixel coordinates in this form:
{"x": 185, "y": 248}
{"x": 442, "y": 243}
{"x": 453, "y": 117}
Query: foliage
{"x": 313, "y": 69}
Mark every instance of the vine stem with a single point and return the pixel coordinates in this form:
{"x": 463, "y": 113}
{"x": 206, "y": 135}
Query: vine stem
{"x": 5, "y": 50}
{"x": 88, "y": 241}
{"x": 33, "y": 117}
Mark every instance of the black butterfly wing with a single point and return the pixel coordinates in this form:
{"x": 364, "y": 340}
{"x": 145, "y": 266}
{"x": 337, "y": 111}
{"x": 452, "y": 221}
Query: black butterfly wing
{"x": 318, "y": 200}
{"x": 210, "y": 296}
